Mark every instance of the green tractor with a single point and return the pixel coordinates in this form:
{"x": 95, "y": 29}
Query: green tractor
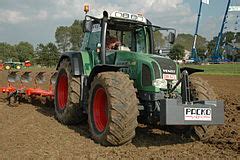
{"x": 12, "y": 65}
{"x": 117, "y": 87}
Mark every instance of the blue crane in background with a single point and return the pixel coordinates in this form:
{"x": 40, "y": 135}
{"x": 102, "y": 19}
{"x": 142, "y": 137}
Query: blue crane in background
{"x": 194, "y": 55}
{"x": 216, "y": 57}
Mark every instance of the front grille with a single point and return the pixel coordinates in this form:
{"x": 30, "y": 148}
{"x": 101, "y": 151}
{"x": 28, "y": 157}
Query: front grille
{"x": 156, "y": 70}
{"x": 146, "y": 75}
{"x": 166, "y": 65}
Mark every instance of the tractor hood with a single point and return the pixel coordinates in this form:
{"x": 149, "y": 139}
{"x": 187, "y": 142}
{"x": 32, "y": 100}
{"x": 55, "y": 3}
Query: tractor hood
{"x": 167, "y": 66}
{"x": 145, "y": 68}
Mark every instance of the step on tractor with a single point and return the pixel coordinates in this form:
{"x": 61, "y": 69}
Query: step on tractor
{"x": 119, "y": 79}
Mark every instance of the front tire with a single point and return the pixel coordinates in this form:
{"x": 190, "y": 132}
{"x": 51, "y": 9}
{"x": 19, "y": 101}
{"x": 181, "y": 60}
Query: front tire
{"x": 7, "y": 67}
{"x": 67, "y": 95}
{"x": 201, "y": 90}
{"x": 18, "y": 67}
{"x": 112, "y": 110}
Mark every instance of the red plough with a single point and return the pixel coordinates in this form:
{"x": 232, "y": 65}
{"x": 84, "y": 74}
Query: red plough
{"x": 12, "y": 78}
{"x": 37, "y": 91}
{"x": 17, "y": 94}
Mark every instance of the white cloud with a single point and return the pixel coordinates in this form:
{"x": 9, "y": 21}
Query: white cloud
{"x": 42, "y": 15}
{"x": 211, "y": 27}
{"x": 74, "y": 8}
{"x": 61, "y": 15}
{"x": 166, "y": 13}
{"x": 11, "y": 16}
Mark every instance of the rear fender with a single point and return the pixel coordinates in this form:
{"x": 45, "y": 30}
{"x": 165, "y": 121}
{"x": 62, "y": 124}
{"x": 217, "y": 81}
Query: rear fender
{"x": 76, "y": 62}
{"x": 191, "y": 70}
{"x": 103, "y": 68}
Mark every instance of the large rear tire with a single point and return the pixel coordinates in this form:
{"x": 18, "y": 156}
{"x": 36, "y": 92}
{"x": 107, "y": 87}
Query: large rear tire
{"x": 112, "y": 110}
{"x": 67, "y": 95}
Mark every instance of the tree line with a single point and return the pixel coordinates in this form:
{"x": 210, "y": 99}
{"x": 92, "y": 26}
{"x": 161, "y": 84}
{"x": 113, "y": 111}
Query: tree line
{"x": 70, "y": 37}
{"x": 67, "y": 38}
{"x": 205, "y": 48}
{"x": 43, "y": 54}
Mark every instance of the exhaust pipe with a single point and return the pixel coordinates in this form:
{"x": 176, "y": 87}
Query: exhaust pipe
{"x": 103, "y": 37}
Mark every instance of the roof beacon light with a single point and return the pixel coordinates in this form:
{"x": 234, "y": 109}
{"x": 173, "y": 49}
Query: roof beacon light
{"x": 86, "y": 8}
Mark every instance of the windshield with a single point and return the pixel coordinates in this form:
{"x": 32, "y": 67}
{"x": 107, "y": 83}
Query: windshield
{"x": 161, "y": 40}
{"x": 128, "y": 36}
{"x": 136, "y": 40}
{"x": 137, "y": 37}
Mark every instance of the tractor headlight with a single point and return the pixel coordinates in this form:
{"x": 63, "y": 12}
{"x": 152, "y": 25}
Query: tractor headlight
{"x": 118, "y": 14}
{"x": 129, "y": 16}
{"x": 160, "y": 83}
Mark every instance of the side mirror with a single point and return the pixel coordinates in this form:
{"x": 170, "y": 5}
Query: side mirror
{"x": 171, "y": 37}
{"x": 87, "y": 25}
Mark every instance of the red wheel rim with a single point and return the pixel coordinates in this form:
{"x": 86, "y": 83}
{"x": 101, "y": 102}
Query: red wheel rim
{"x": 100, "y": 114}
{"x": 62, "y": 91}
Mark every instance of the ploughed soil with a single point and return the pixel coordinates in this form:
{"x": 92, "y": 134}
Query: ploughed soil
{"x": 31, "y": 132}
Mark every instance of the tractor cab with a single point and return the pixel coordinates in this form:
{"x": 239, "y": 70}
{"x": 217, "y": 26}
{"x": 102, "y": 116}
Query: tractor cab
{"x": 131, "y": 40}
{"x": 123, "y": 31}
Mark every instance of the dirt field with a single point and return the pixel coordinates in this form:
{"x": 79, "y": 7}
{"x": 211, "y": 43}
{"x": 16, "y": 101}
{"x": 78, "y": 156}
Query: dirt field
{"x": 32, "y": 132}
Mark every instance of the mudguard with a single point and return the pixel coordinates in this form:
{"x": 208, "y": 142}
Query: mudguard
{"x": 190, "y": 70}
{"x": 76, "y": 62}
{"x": 103, "y": 68}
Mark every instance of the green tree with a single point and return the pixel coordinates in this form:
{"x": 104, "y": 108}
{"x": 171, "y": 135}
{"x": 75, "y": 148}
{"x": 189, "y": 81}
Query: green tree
{"x": 186, "y": 40}
{"x": 76, "y": 34}
{"x": 177, "y": 52}
{"x": 63, "y": 36}
{"x": 202, "y": 52}
{"x": 47, "y": 55}
{"x": 237, "y": 37}
{"x": 69, "y": 37}
{"x": 212, "y": 45}
{"x": 53, "y": 54}
{"x": 24, "y": 51}
{"x": 159, "y": 41}
{"x": 228, "y": 36}
{"x": 7, "y": 52}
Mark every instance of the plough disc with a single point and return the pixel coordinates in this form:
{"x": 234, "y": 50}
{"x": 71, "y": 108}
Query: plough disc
{"x": 40, "y": 78}
{"x": 53, "y": 78}
{"x": 13, "y": 77}
{"x": 26, "y": 77}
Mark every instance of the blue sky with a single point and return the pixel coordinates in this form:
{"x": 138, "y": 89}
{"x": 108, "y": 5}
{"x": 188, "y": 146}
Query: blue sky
{"x": 35, "y": 21}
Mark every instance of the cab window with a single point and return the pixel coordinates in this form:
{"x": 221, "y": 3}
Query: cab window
{"x": 94, "y": 37}
{"x": 140, "y": 41}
